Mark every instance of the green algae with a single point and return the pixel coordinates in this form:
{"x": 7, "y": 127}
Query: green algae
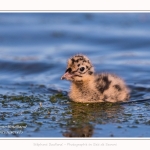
{"x": 56, "y": 111}
{"x": 21, "y": 124}
{"x": 57, "y": 97}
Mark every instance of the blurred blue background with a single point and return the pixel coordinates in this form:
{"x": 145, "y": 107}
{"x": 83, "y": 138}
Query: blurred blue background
{"x": 34, "y": 47}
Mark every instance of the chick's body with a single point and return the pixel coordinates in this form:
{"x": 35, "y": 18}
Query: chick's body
{"x": 88, "y": 87}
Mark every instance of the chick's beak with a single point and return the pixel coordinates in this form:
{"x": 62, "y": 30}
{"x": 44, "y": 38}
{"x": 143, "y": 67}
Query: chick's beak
{"x": 66, "y": 76}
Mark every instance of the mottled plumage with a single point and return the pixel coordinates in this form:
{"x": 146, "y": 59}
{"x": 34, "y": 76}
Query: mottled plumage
{"x": 88, "y": 87}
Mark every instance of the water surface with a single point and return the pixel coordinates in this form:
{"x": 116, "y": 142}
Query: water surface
{"x": 34, "y": 50}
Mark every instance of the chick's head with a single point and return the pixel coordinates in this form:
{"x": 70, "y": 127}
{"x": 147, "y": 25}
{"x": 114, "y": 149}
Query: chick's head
{"x": 79, "y": 68}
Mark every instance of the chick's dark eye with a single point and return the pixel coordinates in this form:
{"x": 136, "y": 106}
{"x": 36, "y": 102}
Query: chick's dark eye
{"x": 82, "y": 69}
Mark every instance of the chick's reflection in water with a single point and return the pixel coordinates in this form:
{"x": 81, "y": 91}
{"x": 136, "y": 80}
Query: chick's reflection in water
{"x": 85, "y": 131}
{"x": 84, "y": 117}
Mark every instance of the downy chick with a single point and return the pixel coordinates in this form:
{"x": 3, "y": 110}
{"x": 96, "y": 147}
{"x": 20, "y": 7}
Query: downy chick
{"x": 88, "y": 87}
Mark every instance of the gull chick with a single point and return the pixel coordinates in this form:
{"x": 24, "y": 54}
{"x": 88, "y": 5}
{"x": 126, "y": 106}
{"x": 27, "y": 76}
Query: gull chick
{"x": 88, "y": 87}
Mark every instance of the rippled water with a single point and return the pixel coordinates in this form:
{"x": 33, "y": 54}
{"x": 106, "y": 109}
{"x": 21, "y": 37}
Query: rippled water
{"x": 34, "y": 49}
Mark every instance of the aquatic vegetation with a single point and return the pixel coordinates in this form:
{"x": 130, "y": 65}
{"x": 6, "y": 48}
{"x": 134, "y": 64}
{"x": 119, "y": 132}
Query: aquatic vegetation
{"x": 43, "y": 112}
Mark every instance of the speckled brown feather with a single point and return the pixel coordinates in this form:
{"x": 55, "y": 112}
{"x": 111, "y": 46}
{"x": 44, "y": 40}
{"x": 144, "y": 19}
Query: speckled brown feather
{"x": 88, "y": 87}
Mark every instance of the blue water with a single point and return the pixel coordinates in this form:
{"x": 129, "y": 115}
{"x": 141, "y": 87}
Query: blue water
{"x": 34, "y": 50}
